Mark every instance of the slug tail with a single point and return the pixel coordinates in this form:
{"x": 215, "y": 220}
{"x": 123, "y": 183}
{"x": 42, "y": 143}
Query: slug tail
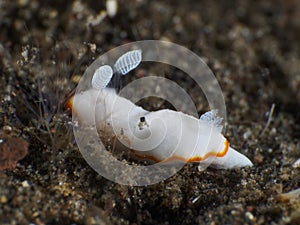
{"x": 232, "y": 159}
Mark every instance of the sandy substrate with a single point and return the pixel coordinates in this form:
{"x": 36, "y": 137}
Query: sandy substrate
{"x": 253, "y": 49}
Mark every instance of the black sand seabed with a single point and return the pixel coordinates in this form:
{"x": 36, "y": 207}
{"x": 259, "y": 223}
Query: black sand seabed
{"x": 253, "y": 49}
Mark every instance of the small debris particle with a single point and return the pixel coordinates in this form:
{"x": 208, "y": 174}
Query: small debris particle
{"x": 259, "y": 158}
{"x": 195, "y": 199}
{"x": 247, "y": 134}
{"x": 12, "y": 149}
{"x": 297, "y": 164}
{"x": 93, "y": 47}
{"x": 76, "y": 78}
{"x": 250, "y": 216}
{"x": 111, "y": 7}
{"x": 95, "y": 20}
{"x": 53, "y": 14}
{"x": 22, "y": 3}
{"x": 3, "y": 199}
{"x": 25, "y": 184}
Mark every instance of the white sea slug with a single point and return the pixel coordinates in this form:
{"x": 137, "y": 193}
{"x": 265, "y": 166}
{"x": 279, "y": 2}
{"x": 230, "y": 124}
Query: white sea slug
{"x": 163, "y": 135}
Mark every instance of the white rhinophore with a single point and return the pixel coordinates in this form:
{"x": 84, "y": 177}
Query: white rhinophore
{"x": 128, "y": 61}
{"x": 102, "y": 77}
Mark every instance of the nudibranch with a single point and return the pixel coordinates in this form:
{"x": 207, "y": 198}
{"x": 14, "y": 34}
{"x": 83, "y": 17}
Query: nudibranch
{"x": 161, "y": 136}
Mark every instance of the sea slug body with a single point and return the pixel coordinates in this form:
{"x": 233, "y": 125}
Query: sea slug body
{"x": 161, "y": 136}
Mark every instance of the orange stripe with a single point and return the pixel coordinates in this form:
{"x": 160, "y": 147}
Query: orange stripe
{"x": 69, "y": 103}
{"x": 192, "y": 159}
